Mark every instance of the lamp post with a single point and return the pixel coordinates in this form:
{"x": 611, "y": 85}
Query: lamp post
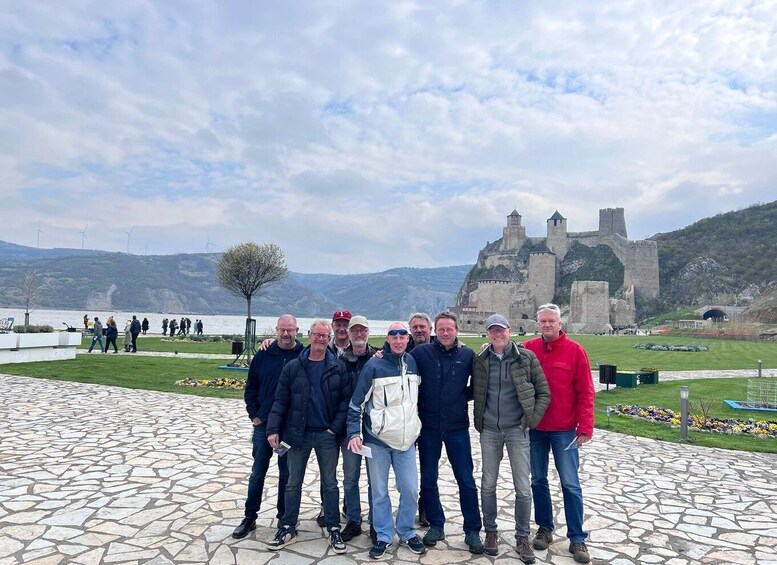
{"x": 683, "y": 413}
{"x": 759, "y": 368}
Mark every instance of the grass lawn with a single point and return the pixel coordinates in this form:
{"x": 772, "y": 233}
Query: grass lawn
{"x": 160, "y": 373}
{"x": 131, "y": 371}
{"x": 667, "y": 395}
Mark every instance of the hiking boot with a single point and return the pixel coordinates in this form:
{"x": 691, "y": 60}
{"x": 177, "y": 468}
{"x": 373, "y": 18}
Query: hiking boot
{"x": 380, "y": 548}
{"x": 433, "y": 536}
{"x": 373, "y": 535}
{"x": 321, "y": 519}
{"x": 336, "y": 541}
{"x": 542, "y": 539}
{"x": 473, "y": 541}
{"x": 247, "y": 526}
{"x": 579, "y": 551}
{"x": 491, "y": 546}
{"x": 524, "y": 549}
{"x": 351, "y": 530}
{"x": 283, "y": 537}
{"x": 414, "y": 544}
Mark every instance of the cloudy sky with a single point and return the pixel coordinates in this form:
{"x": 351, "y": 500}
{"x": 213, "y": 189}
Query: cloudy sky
{"x": 364, "y": 135}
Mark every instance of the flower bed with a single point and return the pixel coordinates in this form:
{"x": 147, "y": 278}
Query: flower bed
{"x": 761, "y": 428}
{"x": 224, "y": 382}
{"x": 661, "y": 347}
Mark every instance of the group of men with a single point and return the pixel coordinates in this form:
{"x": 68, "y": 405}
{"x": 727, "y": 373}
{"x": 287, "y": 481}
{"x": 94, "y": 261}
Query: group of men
{"x": 341, "y": 396}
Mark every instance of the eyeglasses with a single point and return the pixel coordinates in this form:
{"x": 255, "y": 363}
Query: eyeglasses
{"x": 319, "y": 336}
{"x": 397, "y": 332}
{"x": 283, "y": 331}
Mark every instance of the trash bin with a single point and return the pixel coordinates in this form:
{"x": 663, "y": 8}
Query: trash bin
{"x": 607, "y": 374}
{"x": 237, "y": 347}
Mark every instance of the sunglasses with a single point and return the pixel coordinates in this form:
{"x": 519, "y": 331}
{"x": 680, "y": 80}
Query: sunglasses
{"x": 397, "y": 332}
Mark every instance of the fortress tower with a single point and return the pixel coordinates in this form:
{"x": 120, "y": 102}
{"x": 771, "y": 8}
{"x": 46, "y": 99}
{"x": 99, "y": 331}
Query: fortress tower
{"x": 557, "y": 235}
{"x": 513, "y": 234}
{"x": 542, "y": 275}
{"x": 612, "y": 221}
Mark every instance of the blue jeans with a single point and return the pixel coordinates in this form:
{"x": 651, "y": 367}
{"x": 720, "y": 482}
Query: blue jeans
{"x": 352, "y": 464}
{"x": 567, "y": 463}
{"x": 492, "y": 444}
{"x": 98, "y": 339}
{"x": 263, "y": 454}
{"x": 459, "y": 451}
{"x": 406, "y": 478}
{"x": 327, "y": 454}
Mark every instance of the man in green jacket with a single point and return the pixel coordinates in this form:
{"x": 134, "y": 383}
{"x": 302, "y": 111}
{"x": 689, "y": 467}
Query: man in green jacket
{"x": 511, "y": 395}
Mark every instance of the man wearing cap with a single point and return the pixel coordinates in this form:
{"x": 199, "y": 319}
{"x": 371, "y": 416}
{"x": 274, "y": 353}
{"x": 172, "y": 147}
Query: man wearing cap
{"x": 383, "y": 415}
{"x": 567, "y": 424}
{"x": 511, "y": 395}
{"x": 340, "y": 321}
{"x": 262, "y": 381}
{"x": 355, "y": 356}
{"x": 445, "y": 370}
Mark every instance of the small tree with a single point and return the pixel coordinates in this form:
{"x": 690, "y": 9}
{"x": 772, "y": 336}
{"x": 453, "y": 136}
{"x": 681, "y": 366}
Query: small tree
{"x": 244, "y": 269}
{"x": 30, "y": 293}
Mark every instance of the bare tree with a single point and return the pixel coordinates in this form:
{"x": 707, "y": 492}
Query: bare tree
{"x": 30, "y": 293}
{"x": 244, "y": 269}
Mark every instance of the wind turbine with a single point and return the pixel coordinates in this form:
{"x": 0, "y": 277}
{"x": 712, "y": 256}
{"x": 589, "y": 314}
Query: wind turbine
{"x": 129, "y": 236}
{"x": 40, "y": 231}
{"x": 83, "y": 235}
{"x": 209, "y": 243}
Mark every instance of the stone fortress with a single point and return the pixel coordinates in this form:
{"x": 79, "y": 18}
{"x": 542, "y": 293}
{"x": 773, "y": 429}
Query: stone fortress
{"x": 516, "y": 274}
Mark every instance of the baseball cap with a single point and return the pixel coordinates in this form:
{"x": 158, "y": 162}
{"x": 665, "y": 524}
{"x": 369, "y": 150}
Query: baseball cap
{"x": 358, "y": 321}
{"x": 341, "y": 315}
{"x": 497, "y": 320}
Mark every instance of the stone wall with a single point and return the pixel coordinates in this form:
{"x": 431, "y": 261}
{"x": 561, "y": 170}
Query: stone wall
{"x": 589, "y": 307}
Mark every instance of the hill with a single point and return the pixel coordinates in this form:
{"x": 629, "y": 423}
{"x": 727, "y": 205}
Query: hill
{"x": 186, "y": 283}
{"x": 725, "y": 258}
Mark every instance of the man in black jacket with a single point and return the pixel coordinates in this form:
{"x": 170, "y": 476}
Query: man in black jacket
{"x": 308, "y": 413}
{"x": 261, "y": 384}
{"x": 135, "y": 332}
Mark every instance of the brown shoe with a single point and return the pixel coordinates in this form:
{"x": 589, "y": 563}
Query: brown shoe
{"x": 491, "y": 547}
{"x": 524, "y": 549}
{"x": 579, "y": 551}
{"x": 542, "y": 539}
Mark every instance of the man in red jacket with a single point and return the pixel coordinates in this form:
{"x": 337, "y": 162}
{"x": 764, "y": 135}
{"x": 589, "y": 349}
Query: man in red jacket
{"x": 568, "y": 423}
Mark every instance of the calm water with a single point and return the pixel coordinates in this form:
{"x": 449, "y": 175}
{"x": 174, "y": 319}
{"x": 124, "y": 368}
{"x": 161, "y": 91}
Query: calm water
{"x": 211, "y": 324}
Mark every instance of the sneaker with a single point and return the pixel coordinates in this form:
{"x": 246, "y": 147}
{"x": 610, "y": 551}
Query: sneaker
{"x": 373, "y": 535}
{"x": 247, "y": 526}
{"x": 433, "y": 536}
{"x": 579, "y": 551}
{"x": 524, "y": 549}
{"x": 283, "y": 537}
{"x": 473, "y": 541}
{"x": 321, "y": 519}
{"x": 351, "y": 530}
{"x": 491, "y": 546}
{"x": 336, "y": 541}
{"x": 542, "y": 539}
{"x": 380, "y": 548}
{"x": 414, "y": 544}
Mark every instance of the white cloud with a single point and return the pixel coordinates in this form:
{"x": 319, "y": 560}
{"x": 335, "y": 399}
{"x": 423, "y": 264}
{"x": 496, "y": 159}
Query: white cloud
{"x": 365, "y": 135}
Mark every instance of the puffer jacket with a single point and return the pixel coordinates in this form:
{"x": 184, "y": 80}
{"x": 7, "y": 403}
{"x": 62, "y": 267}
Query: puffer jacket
{"x": 387, "y": 395}
{"x": 289, "y": 411}
{"x": 527, "y": 377}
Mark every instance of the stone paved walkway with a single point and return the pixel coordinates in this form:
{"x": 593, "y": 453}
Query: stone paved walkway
{"x": 93, "y": 474}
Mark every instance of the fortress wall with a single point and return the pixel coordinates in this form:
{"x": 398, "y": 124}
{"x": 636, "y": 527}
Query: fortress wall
{"x": 542, "y": 277}
{"x": 504, "y": 259}
{"x": 493, "y": 296}
{"x": 589, "y": 307}
{"x": 640, "y": 259}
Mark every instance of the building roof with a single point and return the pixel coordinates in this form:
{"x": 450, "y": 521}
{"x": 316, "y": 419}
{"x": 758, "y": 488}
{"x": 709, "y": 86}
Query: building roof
{"x": 541, "y": 247}
{"x": 557, "y": 216}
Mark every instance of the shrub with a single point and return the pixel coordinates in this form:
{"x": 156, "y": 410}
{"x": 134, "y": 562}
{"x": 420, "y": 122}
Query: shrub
{"x": 33, "y": 329}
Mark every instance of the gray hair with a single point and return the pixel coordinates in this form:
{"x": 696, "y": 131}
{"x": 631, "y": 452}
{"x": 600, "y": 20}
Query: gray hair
{"x": 320, "y": 322}
{"x": 549, "y": 307}
{"x": 421, "y": 315}
{"x": 448, "y": 316}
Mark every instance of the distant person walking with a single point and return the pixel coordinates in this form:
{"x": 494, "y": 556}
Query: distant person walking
{"x": 111, "y": 333}
{"x": 135, "y": 331}
{"x": 182, "y": 327}
{"x": 173, "y": 326}
{"x": 164, "y": 326}
{"x": 144, "y": 326}
{"x": 127, "y": 336}
{"x": 86, "y": 322}
{"x": 98, "y": 335}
